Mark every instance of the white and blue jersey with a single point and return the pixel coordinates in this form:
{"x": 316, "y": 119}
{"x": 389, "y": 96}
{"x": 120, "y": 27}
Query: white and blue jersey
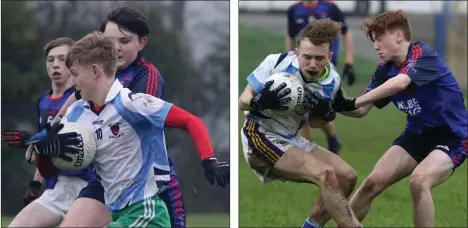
{"x": 288, "y": 126}
{"x": 131, "y": 157}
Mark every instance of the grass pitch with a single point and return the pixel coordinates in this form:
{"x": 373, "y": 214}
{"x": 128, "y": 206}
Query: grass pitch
{"x": 364, "y": 141}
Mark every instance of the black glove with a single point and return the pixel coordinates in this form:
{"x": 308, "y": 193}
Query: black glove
{"x": 33, "y": 192}
{"x": 268, "y": 99}
{"x": 54, "y": 144}
{"x": 343, "y": 103}
{"x": 216, "y": 170}
{"x": 319, "y": 106}
{"x": 16, "y": 138}
{"x": 348, "y": 73}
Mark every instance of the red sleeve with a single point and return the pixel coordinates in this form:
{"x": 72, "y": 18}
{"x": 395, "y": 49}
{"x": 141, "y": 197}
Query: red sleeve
{"x": 45, "y": 166}
{"x": 179, "y": 118}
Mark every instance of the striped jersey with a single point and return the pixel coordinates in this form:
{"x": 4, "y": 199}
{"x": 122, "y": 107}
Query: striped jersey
{"x": 288, "y": 126}
{"x": 131, "y": 157}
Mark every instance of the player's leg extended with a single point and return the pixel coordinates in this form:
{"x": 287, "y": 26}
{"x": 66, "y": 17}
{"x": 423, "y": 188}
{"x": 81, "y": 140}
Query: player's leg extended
{"x": 300, "y": 166}
{"x": 332, "y": 139}
{"x": 393, "y": 166}
{"x": 432, "y": 171}
{"x": 151, "y": 212}
{"x": 263, "y": 152}
{"x": 88, "y": 210}
{"x": 172, "y": 197}
{"x": 36, "y": 215}
{"x": 347, "y": 178}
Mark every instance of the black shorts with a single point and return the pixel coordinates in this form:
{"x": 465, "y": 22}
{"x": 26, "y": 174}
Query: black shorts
{"x": 419, "y": 146}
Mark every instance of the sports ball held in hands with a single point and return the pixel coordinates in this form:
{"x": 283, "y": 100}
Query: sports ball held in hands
{"x": 294, "y": 84}
{"x": 86, "y": 149}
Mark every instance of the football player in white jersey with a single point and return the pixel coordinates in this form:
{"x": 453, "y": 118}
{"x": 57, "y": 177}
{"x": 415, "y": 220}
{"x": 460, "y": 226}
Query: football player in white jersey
{"x": 271, "y": 143}
{"x": 131, "y": 156}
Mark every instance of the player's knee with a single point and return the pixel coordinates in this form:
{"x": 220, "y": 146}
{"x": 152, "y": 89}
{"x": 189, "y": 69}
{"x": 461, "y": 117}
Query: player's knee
{"x": 373, "y": 185}
{"x": 350, "y": 178}
{"x": 327, "y": 176}
{"x": 418, "y": 182}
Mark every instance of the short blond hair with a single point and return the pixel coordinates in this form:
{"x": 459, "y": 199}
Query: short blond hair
{"x": 94, "y": 48}
{"x": 320, "y": 31}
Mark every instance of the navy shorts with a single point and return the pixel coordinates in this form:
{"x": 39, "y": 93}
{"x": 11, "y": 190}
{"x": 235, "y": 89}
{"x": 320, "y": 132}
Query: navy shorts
{"x": 172, "y": 196}
{"x": 420, "y": 145}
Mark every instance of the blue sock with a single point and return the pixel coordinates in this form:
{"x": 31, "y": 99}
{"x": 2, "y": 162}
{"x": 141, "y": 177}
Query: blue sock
{"x": 310, "y": 224}
{"x": 334, "y": 145}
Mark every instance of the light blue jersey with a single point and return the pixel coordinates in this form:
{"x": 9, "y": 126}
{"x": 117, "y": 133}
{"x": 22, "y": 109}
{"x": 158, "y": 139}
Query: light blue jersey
{"x": 131, "y": 156}
{"x": 288, "y": 126}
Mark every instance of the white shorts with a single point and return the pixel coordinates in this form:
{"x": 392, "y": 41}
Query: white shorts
{"x": 60, "y": 199}
{"x": 263, "y": 149}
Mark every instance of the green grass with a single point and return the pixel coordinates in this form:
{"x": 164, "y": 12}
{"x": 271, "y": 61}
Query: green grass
{"x": 193, "y": 220}
{"x": 364, "y": 141}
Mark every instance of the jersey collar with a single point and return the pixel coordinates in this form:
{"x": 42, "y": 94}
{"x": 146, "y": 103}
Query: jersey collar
{"x": 114, "y": 90}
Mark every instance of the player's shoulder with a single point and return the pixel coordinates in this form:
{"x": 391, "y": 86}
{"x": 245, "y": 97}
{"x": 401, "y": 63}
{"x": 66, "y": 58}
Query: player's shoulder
{"x": 144, "y": 65}
{"x": 421, "y": 48}
{"x": 135, "y": 101}
{"x": 276, "y": 59}
{"x": 334, "y": 75}
{"x": 43, "y": 95}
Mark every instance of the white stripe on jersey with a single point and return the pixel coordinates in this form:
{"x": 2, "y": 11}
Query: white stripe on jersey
{"x": 288, "y": 126}
{"x": 131, "y": 152}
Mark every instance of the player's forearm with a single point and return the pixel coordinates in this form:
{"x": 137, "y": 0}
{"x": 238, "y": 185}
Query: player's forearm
{"x": 245, "y": 98}
{"x": 37, "y": 176}
{"x": 390, "y": 87}
{"x": 68, "y": 103}
{"x": 360, "y": 112}
{"x": 289, "y": 44}
{"x": 349, "y": 47}
{"x": 179, "y": 118}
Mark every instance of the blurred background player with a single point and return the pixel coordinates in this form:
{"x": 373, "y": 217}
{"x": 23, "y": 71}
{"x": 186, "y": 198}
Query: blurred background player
{"x": 435, "y": 141}
{"x": 49, "y": 209}
{"x": 272, "y": 145}
{"x": 299, "y": 15}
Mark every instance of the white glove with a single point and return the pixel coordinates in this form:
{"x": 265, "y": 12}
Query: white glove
{"x": 30, "y": 155}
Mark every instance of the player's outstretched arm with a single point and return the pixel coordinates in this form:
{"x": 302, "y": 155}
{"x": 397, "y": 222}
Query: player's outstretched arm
{"x": 391, "y": 87}
{"x": 146, "y": 109}
{"x": 360, "y": 112}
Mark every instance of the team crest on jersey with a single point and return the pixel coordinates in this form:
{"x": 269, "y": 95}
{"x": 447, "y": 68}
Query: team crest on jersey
{"x": 115, "y": 129}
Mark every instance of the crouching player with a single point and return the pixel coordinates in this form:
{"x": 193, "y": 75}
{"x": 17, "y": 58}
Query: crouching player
{"x": 434, "y": 143}
{"x": 271, "y": 144}
{"x": 62, "y": 188}
{"x": 133, "y": 164}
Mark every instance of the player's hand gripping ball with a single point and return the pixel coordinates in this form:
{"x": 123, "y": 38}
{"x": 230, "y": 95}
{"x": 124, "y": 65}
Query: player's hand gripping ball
{"x": 294, "y": 85}
{"x": 85, "y": 149}
{"x": 283, "y": 92}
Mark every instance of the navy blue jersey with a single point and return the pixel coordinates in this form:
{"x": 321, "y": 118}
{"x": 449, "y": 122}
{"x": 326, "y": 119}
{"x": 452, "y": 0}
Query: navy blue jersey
{"x": 47, "y": 108}
{"x": 142, "y": 77}
{"x": 433, "y": 101}
{"x": 300, "y": 15}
